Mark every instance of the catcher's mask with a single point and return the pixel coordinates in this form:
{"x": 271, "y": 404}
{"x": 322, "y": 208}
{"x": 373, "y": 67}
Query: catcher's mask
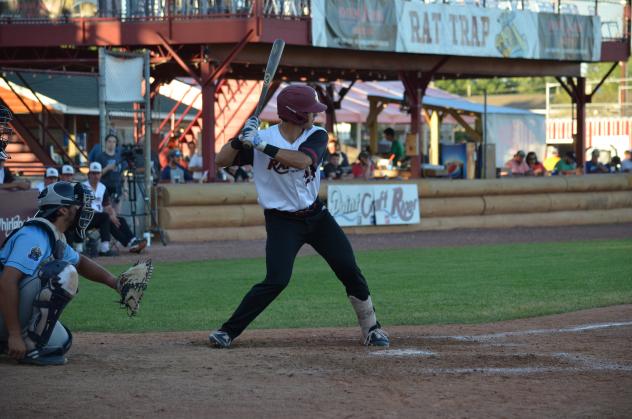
{"x": 64, "y": 194}
{"x": 5, "y": 130}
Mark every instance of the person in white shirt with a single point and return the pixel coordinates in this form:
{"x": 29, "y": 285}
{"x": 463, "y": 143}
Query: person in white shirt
{"x": 51, "y": 176}
{"x": 285, "y": 160}
{"x": 67, "y": 173}
{"x": 195, "y": 162}
{"x": 105, "y": 217}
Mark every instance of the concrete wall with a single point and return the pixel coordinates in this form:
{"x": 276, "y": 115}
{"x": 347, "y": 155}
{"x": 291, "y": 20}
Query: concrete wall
{"x": 203, "y": 212}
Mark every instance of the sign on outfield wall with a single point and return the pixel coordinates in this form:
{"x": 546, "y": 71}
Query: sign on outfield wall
{"x": 417, "y": 27}
{"x": 357, "y": 205}
{"x": 23, "y": 206}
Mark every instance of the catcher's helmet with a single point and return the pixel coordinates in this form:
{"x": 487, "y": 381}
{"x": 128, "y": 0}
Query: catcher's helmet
{"x": 5, "y": 130}
{"x": 63, "y": 194}
{"x": 296, "y": 101}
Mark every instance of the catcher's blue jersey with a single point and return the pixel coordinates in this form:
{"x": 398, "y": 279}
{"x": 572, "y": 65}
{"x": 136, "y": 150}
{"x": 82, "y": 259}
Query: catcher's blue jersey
{"x": 27, "y": 248}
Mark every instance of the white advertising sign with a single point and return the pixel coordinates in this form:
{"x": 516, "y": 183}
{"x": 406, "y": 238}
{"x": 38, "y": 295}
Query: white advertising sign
{"x": 351, "y": 205}
{"x": 396, "y": 204}
{"x": 422, "y": 28}
{"x": 357, "y": 205}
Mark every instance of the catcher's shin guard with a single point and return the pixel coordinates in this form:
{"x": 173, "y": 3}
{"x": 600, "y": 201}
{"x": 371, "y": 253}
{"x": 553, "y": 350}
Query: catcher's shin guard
{"x": 60, "y": 282}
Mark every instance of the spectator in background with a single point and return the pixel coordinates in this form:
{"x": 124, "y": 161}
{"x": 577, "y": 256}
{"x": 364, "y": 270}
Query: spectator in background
{"x": 333, "y": 147}
{"x": 552, "y": 159}
{"x": 626, "y": 163}
{"x": 238, "y": 173}
{"x": 363, "y": 168}
{"x": 174, "y": 172}
{"x": 7, "y": 180}
{"x": 593, "y": 166}
{"x": 615, "y": 164}
{"x": 108, "y": 221}
{"x": 333, "y": 169}
{"x": 51, "y": 176}
{"x": 67, "y": 173}
{"x": 112, "y": 164}
{"x": 517, "y": 166}
{"x": 194, "y": 160}
{"x": 397, "y": 149}
{"x": 536, "y": 168}
{"x": 566, "y": 166}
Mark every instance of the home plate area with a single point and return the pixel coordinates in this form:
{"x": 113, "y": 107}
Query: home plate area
{"x": 568, "y": 365}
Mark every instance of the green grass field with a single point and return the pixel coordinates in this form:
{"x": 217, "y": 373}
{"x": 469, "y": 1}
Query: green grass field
{"x": 470, "y": 284}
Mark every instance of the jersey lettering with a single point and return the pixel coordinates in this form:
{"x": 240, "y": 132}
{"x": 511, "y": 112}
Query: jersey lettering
{"x": 278, "y": 167}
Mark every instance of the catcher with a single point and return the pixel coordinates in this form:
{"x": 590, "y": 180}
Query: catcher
{"x": 39, "y": 275}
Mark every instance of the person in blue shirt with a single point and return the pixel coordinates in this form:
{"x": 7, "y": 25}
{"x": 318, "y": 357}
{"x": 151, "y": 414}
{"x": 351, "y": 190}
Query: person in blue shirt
{"x": 39, "y": 275}
{"x": 174, "y": 172}
{"x": 594, "y": 166}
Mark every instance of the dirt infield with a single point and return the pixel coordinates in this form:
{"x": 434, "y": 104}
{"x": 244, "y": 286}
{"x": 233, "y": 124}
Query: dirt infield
{"x": 571, "y": 365}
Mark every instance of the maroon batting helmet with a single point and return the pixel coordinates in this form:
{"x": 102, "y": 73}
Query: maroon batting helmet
{"x": 295, "y": 102}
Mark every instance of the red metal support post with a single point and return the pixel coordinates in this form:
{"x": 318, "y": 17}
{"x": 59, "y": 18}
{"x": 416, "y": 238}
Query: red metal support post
{"x": 208, "y": 121}
{"x": 580, "y": 137}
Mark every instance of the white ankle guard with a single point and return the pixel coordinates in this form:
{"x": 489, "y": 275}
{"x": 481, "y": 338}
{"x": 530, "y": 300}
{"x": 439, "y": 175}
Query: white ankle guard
{"x": 365, "y": 312}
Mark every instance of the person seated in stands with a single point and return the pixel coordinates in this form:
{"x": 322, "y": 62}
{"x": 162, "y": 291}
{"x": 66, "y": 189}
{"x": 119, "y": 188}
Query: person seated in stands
{"x": 333, "y": 147}
{"x": 536, "y": 168}
{"x": 626, "y": 163}
{"x": 174, "y": 172}
{"x": 67, "y": 173}
{"x": 363, "y": 168}
{"x": 517, "y": 166}
{"x": 51, "y": 176}
{"x": 333, "y": 169}
{"x": 108, "y": 222}
{"x": 567, "y": 166}
{"x": 593, "y": 166}
{"x": 194, "y": 162}
{"x": 552, "y": 159}
{"x": 7, "y": 180}
{"x": 615, "y": 164}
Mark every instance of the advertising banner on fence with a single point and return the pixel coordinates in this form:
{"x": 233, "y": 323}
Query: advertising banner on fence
{"x": 357, "y": 205}
{"x": 416, "y": 27}
{"x": 351, "y": 205}
{"x": 23, "y": 205}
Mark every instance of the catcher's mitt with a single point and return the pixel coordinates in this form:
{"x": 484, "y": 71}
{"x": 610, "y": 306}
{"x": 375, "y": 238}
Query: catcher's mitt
{"x": 132, "y": 284}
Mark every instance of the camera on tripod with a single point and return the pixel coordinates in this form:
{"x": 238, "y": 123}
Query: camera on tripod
{"x": 130, "y": 153}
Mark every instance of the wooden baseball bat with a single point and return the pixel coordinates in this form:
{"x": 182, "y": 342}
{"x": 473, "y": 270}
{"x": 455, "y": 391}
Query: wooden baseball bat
{"x": 271, "y": 68}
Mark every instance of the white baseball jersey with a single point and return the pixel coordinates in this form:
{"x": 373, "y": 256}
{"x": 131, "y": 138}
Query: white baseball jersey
{"x": 98, "y": 196}
{"x": 286, "y": 188}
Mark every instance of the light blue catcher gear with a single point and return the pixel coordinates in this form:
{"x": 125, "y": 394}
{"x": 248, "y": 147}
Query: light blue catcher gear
{"x": 59, "y": 284}
{"x": 51, "y": 279}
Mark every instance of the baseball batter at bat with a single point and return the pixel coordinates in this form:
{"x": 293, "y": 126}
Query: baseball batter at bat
{"x": 285, "y": 159}
{"x": 39, "y": 276}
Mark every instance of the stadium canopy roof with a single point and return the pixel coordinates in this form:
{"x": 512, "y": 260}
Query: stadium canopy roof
{"x": 355, "y": 105}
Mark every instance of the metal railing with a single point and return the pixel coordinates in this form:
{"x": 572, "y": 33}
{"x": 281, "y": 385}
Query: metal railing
{"x": 56, "y": 11}
{"x": 612, "y": 12}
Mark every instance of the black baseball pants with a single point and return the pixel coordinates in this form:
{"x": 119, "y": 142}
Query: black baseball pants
{"x": 286, "y": 235}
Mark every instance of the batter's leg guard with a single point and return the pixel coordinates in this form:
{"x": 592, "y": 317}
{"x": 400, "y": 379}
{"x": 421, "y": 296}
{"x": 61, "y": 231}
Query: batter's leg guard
{"x": 372, "y": 333}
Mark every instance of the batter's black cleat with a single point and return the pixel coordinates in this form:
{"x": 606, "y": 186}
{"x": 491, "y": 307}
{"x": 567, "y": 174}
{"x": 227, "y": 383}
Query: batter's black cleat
{"x": 220, "y": 339}
{"x": 377, "y": 337}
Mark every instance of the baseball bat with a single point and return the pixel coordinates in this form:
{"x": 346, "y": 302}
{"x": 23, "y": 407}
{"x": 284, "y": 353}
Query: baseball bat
{"x": 271, "y": 68}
